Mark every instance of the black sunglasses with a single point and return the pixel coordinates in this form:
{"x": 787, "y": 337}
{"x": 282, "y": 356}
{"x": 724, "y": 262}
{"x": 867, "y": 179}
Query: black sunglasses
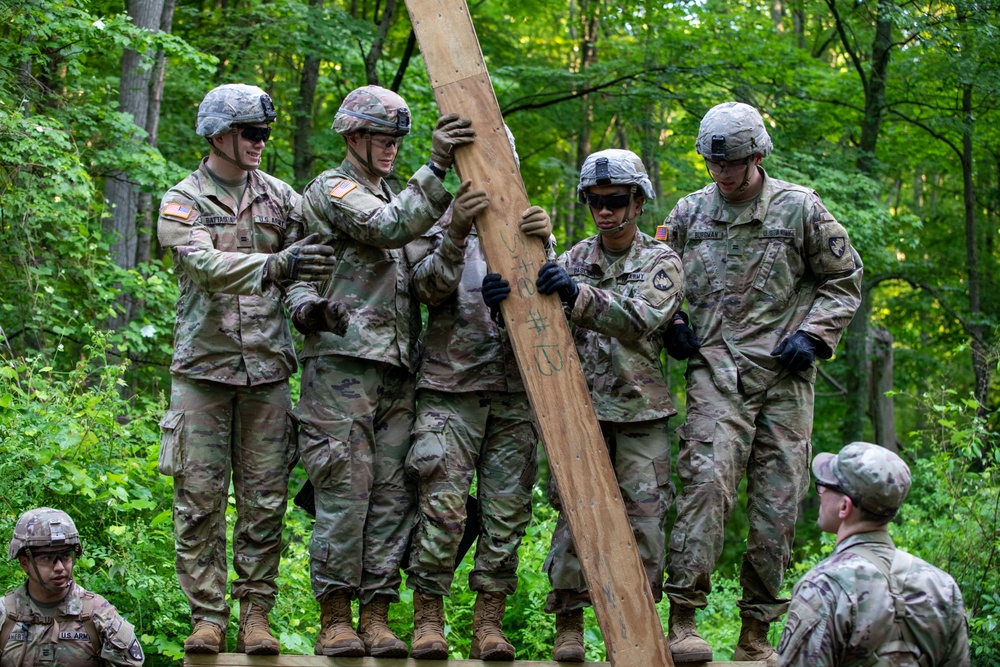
{"x": 610, "y": 202}
{"x": 837, "y": 489}
{"x": 255, "y": 134}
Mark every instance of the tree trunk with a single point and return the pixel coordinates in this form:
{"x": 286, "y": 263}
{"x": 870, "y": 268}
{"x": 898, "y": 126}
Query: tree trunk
{"x": 121, "y": 195}
{"x": 303, "y": 159}
{"x": 979, "y": 351}
{"x": 857, "y": 381}
{"x": 375, "y": 52}
{"x": 882, "y": 407}
{"x": 404, "y": 62}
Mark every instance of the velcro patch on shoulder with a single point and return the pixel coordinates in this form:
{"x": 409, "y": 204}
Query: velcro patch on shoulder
{"x": 338, "y": 191}
{"x": 175, "y": 210}
{"x": 661, "y": 233}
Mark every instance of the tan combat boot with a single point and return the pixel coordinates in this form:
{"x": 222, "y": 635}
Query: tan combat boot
{"x": 337, "y": 636}
{"x": 255, "y": 636}
{"x": 207, "y": 637}
{"x": 686, "y": 645}
{"x": 428, "y": 628}
{"x": 373, "y": 628}
{"x": 568, "y": 646}
{"x": 488, "y": 640}
{"x": 753, "y": 644}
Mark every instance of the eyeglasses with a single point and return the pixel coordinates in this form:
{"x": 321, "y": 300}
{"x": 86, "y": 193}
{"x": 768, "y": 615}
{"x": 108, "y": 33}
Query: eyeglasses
{"x": 719, "y": 167}
{"x": 50, "y": 558}
{"x": 610, "y": 202}
{"x": 385, "y": 141}
{"x": 254, "y": 133}
{"x": 822, "y": 488}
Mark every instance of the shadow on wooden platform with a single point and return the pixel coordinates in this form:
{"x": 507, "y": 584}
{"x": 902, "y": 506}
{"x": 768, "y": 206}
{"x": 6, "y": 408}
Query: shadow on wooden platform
{"x": 240, "y": 660}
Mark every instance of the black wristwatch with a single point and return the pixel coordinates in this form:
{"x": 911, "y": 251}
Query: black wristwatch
{"x": 440, "y": 173}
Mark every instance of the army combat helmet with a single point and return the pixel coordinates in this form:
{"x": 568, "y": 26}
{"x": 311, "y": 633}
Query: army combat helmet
{"x": 730, "y": 132}
{"x": 615, "y": 166}
{"x": 372, "y": 110}
{"x": 43, "y": 527}
{"x": 228, "y": 107}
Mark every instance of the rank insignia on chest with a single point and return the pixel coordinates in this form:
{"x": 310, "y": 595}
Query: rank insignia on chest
{"x": 838, "y": 245}
{"x": 340, "y": 189}
{"x": 661, "y": 233}
{"x": 175, "y": 210}
{"x": 662, "y": 281}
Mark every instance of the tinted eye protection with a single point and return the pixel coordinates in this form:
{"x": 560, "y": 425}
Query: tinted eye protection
{"x": 610, "y": 202}
{"x": 255, "y": 134}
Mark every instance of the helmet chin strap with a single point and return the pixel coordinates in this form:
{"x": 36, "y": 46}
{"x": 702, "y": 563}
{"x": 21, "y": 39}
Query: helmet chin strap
{"x": 625, "y": 219}
{"x": 367, "y": 162}
{"x": 744, "y": 185}
{"x": 236, "y": 151}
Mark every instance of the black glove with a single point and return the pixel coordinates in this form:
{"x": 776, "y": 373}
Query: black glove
{"x": 552, "y": 278}
{"x": 797, "y": 352}
{"x": 305, "y": 260}
{"x": 324, "y": 315}
{"x": 495, "y": 290}
{"x": 679, "y": 338}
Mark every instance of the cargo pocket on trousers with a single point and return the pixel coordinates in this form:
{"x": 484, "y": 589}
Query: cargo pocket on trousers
{"x": 696, "y": 460}
{"x": 426, "y": 458}
{"x": 663, "y": 480}
{"x": 324, "y": 443}
{"x": 170, "y": 461}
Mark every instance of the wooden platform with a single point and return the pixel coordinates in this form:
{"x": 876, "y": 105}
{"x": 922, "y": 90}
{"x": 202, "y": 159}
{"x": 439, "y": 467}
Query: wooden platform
{"x": 240, "y": 660}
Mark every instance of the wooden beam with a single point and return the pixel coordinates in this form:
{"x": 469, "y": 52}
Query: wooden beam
{"x": 241, "y": 660}
{"x": 546, "y": 354}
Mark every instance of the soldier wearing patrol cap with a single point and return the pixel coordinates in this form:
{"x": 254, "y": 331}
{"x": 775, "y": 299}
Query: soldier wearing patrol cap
{"x": 357, "y": 405}
{"x": 50, "y": 619}
{"x": 620, "y": 289}
{"x": 870, "y": 603}
{"x": 772, "y": 281}
{"x": 226, "y": 225}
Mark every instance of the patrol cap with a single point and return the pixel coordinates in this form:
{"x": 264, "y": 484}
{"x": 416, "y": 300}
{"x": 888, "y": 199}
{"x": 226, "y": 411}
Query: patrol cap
{"x": 233, "y": 104}
{"x": 732, "y": 131}
{"x": 373, "y": 109}
{"x": 614, "y": 166}
{"x": 44, "y": 527}
{"x": 877, "y": 478}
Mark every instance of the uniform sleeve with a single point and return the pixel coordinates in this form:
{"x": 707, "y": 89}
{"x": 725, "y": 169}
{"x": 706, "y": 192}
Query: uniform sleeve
{"x": 119, "y": 645}
{"x": 811, "y": 637}
{"x": 179, "y": 229}
{"x": 630, "y": 318}
{"x": 336, "y": 207}
{"x": 838, "y": 270}
{"x": 437, "y": 276}
{"x": 957, "y": 654}
{"x": 676, "y": 224}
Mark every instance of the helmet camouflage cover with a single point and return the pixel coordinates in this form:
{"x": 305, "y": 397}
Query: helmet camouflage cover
{"x": 732, "y": 131}
{"x": 233, "y": 104}
{"x": 614, "y": 166}
{"x": 44, "y": 527}
{"x": 372, "y": 109}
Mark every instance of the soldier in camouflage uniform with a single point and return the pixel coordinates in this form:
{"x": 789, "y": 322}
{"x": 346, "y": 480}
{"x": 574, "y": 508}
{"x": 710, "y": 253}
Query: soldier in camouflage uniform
{"x": 473, "y": 418}
{"x": 771, "y": 281}
{"x": 50, "y": 619}
{"x": 226, "y": 225}
{"x": 870, "y": 603}
{"x": 620, "y": 289}
{"x": 357, "y": 405}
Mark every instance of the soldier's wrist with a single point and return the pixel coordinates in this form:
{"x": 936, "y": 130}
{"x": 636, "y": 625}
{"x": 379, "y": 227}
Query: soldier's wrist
{"x": 437, "y": 169}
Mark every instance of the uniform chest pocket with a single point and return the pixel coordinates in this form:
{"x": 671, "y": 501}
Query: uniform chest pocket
{"x": 778, "y": 272}
{"x": 702, "y": 271}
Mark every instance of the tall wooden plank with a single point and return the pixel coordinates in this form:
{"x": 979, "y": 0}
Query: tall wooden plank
{"x": 543, "y": 345}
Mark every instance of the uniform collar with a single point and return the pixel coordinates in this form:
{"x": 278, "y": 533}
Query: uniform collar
{"x": 351, "y": 171}
{"x": 874, "y": 537}
{"x": 255, "y": 185}
{"x": 722, "y": 211}
{"x": 71, "y": 605}
{"x": 597, "y": 256}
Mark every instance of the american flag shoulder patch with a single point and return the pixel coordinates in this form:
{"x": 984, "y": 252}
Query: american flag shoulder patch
{"x": 340, "y": 189}
{"x": 175, "y": 210}
{"x": 661, "y": 233}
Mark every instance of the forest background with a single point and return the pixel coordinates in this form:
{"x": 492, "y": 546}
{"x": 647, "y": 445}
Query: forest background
{"x": 886, "y": 107}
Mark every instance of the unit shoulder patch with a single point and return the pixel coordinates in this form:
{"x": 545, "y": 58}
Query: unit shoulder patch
{"x": 662, "y": 281}
{"x": 338, "y": 191}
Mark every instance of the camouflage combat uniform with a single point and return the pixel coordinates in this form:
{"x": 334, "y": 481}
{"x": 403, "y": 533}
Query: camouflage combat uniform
{"x": 754, "y": 275}
{"x": 473, "y": 417}
{"x": 229, "y": 399}
{"x": 81, "y": 630}
{"x": 617, "y": 319}
{"x": 357, "y": 405}
{"x": 842, "y": 612}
